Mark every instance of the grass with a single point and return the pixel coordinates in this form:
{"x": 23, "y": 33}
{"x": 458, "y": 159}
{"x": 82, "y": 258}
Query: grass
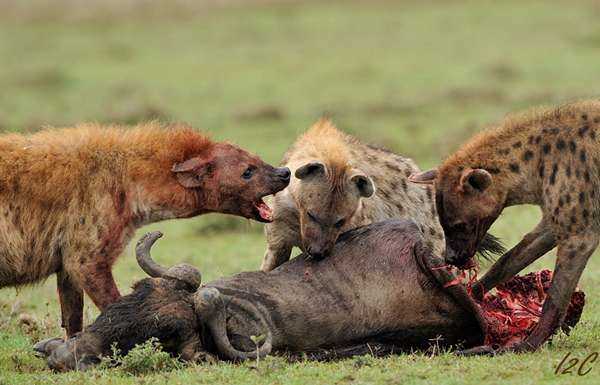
{"x": 418, "y": 77}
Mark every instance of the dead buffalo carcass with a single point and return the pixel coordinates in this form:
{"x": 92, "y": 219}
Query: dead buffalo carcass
{"x": 372, "y": 289}
{"x": 375, "y": 288}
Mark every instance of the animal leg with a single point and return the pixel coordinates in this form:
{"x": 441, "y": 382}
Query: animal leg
{"x": 572, "y": 258}
{"x": 431, "y": 265}
{"x": 71, "y": 303}
{"x": 282, "y": 235}
{"x": 573, "y": 255}
{"x": 533, "y": 246}
{"x": 275, "y": 256}
{"x": 98, "y": 283}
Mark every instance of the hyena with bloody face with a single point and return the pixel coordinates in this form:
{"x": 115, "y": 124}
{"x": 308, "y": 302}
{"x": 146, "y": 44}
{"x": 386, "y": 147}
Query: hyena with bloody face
{"x": 549, "y": 158}
{"x": 72, "y": 198}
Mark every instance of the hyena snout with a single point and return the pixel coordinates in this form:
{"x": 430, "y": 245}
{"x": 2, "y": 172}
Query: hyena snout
{"x": 319, "y": 249}
{"x": 278, "y": 178}
{"x": 283, "y": 173}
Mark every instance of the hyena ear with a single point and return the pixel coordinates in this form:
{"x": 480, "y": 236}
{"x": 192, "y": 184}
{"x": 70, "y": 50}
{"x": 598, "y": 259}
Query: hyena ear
{"x": 191, "y": 172}
{"x": 310, "y": 169}
{"x": 364, "y": 184}
{"x": 475, "y": 180}
{"x": 426, "y": 177}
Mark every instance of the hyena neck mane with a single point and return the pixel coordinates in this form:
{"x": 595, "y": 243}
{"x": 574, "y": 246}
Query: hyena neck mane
{"x": 522, "y": 152}
{"x": 323, "y": 143}
{"x": 151, "y": 185}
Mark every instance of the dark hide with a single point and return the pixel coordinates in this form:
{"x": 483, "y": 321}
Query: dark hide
{"x": 157, "y": 307}
{"x": 370, "y": 290}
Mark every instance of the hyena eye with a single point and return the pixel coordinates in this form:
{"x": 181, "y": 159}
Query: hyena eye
{"x": 312, "y": 217}
{"x": 340, "y": 223}
{"x": 248, "y": 173}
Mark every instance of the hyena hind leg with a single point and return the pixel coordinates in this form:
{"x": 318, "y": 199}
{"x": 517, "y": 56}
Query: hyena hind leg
{"x": 573, "y": 254}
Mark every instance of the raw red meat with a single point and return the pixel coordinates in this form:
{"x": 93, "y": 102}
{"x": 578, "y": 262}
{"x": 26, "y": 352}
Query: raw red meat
{"x": 514, "y": 309}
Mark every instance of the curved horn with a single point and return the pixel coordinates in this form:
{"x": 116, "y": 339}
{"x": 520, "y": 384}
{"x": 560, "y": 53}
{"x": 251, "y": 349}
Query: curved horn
{"x": 183, "y": 272}
{"x": 210, "y": 305}
{"x": 142, "y": 254}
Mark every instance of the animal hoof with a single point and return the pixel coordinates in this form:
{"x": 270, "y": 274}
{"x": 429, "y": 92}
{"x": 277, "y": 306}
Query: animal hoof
{"x": 45, "y": 347}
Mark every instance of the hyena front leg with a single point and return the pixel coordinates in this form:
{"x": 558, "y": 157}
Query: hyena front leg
{"x": 100, "y": 285}
{"x": 573, "y": 254}
{"x": 533, "y": 246}
{"x": 275, "y": 256}
{"x": 71, "y": 303}
{"x": 435, "y": 267}
{"x": 280, "y": 240}
{"x": 93, "y": 274}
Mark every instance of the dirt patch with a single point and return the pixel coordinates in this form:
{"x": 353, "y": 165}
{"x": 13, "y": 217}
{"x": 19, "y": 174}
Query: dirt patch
{"x": 266, "y": 112}
{"x": 134, "y": 113}
{"x": 386, "y": 108}
{"x": 47, "y": 79}
{"x": 465, "y": 95}
{"x": 502, "y": 72}
{"x": 118, "y": 10}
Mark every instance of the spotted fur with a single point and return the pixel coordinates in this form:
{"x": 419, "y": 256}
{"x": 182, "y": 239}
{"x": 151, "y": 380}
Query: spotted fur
{"x": 332, "y": 196}
{"x": 549, "y": 158}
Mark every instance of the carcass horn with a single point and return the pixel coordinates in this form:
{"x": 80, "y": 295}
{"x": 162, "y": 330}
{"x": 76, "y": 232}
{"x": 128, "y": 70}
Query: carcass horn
{"x": 182, "y": 272}
{"x": 210, "y": 306}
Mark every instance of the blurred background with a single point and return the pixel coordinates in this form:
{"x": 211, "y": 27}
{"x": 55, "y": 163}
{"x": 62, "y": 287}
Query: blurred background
{"x": 418, "y": 77}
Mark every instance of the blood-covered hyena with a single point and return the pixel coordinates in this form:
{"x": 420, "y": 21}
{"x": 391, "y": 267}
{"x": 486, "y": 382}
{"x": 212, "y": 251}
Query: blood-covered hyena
{"x": 339, "y": 184}
{"x": 71, "y": 199}
{"x": 550, "y": 158}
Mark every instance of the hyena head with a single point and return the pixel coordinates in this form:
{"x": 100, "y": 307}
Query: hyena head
{"x": 232, "y": 181}
{"x": 468, "y": 202}
{"x": 327, "y": 200}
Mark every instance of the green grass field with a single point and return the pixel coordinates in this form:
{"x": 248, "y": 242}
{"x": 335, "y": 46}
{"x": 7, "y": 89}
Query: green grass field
{"x": 417, "y": 77}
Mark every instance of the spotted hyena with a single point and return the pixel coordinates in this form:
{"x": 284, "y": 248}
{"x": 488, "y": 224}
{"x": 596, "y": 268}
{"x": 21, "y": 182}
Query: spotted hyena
{"x": 339, "y": 184}
{"x": 550, "y": 158}
{"x": 71, "y": 199}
